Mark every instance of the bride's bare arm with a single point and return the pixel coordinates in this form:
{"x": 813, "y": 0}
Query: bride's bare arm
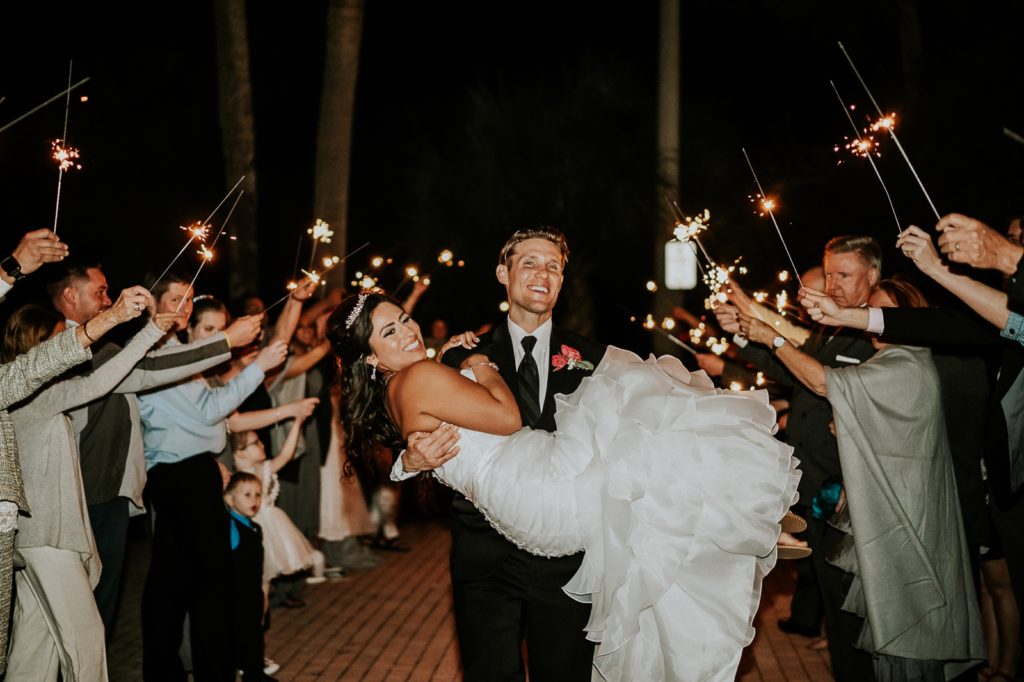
{"x": 426, "y": 394}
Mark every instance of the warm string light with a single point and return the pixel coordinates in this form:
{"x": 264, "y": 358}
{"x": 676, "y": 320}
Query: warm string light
{"x": 768, "y": 205}
{"x": 887, "y": 122}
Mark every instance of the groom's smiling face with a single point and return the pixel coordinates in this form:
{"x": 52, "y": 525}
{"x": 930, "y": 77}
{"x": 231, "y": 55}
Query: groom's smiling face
{"x": 533, "y": 276}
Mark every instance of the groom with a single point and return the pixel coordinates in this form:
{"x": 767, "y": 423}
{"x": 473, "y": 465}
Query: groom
{"x": 504, "y": 595}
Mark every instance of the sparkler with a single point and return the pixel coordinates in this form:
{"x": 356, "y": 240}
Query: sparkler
{"x": 62, "y": 93}
{"x": 62, "y": 153}
{"x": 206, "y": 253}
{"x": 687, "y": 229}
{"x": 887, "y": 123}
{"x": 329, "y": 263}
{"x": 201, "y": 231}
{"x": 768, "y": 205}
{"x": 321, "y": 233}
{"x": 651, "y": 325}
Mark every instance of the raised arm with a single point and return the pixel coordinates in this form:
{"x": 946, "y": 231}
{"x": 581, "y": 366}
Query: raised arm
{"x": 258, "y": 419}
{"x": 428, "y": 393}
{"x": 216, "y": 404}
{"x": 807, "y": 370}
{"x": 288, "y": 447}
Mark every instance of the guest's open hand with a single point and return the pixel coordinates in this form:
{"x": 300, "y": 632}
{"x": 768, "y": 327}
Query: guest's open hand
{"x": 38, "y": 247}
{"x": 427, "y": 451}
{"x": 728, "y": 317}
{"x": 916, "y": 244}
{"x": 272, "y": 355}
{"x": 130, "y": 304}
{"x": 968, "y": 240}
{"x": 820, "y": 306}
{"x": 756, "y": 330}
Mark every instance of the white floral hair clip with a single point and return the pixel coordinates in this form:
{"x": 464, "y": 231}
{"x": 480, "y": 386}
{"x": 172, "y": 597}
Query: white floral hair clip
{"x": 356, "y": 309}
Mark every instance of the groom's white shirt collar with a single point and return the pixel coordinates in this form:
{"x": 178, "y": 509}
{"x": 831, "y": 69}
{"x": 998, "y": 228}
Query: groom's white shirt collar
{"x": 541, "y": 351}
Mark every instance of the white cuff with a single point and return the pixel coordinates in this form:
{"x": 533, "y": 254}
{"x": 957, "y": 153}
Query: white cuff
{"x": 398, "y": 472}
{"x": 4, "y": 288}
{"x": 876, "y": 321}
{"x": 740, "y": 341}
{"x": 8, "y": 517}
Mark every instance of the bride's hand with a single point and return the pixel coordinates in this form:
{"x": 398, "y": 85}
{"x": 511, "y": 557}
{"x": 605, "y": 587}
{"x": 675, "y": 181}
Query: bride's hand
{"x": 474, "y": 360}
{"x": 467, "y": 340}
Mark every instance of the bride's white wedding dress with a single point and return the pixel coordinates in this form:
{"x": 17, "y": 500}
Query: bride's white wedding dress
{"x": 673, "y": 488}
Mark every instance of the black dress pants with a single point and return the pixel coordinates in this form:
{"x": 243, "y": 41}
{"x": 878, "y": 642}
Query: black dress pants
{"x": 190, "y": 572}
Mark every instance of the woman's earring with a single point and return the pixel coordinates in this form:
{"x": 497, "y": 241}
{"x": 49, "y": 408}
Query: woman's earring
{"x": 373, "y": 373}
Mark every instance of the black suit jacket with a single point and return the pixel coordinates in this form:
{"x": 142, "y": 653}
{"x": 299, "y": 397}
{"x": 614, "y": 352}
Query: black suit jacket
{"x": 810, "y": 414}
{"x": 478, "y": 549}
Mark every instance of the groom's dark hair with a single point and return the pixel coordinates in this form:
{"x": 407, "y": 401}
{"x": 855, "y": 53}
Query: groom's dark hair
{"x": 544, "y": 232}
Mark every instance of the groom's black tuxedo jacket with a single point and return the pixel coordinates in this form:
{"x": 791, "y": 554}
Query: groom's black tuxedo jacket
{"x": 478, "y": 549}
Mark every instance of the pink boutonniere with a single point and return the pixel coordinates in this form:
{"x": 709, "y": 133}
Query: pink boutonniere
{"x": 569, "y": 358}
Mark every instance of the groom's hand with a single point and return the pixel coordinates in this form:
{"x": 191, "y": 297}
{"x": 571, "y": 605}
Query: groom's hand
{"x": 427, "y": 451}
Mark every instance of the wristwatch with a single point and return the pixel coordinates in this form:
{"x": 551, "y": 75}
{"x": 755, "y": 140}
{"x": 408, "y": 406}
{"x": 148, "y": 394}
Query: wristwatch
{"x": 778, "y": 342}
{"x": 12, "y": 268}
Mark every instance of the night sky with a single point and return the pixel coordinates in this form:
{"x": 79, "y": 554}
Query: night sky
{"x": 474, "y": 119}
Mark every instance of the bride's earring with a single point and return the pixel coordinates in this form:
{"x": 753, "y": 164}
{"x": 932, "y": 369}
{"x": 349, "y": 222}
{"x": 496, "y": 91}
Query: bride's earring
{"x": 373, "y": 373}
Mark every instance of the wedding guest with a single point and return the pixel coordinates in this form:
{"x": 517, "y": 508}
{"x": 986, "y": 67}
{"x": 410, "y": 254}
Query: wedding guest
{"x": 852, "y": 267}
{"x": 243, "y": 497}
{"x": 19, "y": 380}
{"x": 184, "y": 429}
{"x": 908, "y": 551}
{"x": 56, "y": 627}
{"x": 108, "y": 429}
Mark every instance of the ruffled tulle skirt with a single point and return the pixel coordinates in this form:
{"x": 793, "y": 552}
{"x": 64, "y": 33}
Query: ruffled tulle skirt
{"x": 672, "y": 487}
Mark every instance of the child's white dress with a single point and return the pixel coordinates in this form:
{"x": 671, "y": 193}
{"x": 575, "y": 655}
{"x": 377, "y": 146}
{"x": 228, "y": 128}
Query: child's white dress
{"x": 285, "y": 549}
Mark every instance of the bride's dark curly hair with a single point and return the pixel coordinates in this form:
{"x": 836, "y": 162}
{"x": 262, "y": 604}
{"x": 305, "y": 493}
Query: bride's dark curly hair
{"x": 363, "y": 401}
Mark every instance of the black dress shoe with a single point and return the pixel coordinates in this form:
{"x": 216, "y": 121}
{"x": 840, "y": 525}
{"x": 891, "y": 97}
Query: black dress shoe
{"x": 789, "y": 627}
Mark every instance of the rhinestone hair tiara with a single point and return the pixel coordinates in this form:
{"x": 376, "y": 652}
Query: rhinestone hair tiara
{"x": 356, "y": 309}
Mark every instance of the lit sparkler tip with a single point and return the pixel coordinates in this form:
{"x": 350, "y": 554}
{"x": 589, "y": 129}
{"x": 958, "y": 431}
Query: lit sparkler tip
{"x": 668, "y": 324}
{"x": 377, "y": 261}
{"x": 292, "y": 286}
{"x": 411, "y": 271}
{"x": 197, "y": 230}
{"x": 445, "y": 256}
{"x": 328, "y": 261}
{"x": 689, "y": 228}
{"x": 784, "y": 275}
{"x": 652, "y": 286}
{"x": 205, "y": 252}
{"x": 66, "y": 157}
{"x": 321, "y": 232}
{"x": 887, "y": 122}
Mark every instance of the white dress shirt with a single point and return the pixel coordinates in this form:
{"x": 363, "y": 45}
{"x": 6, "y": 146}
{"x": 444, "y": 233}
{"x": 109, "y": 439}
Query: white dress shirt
{"x": 541, "y": 352}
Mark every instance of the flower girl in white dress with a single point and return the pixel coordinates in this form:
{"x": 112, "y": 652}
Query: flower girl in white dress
{"x": 285, "y": 549}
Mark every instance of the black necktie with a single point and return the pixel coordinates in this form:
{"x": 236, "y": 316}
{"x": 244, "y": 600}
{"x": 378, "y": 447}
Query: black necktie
{"x": 529, "y": 384}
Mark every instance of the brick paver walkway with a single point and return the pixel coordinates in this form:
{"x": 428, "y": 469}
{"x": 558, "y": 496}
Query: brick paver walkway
{"x": 395, "y": 622}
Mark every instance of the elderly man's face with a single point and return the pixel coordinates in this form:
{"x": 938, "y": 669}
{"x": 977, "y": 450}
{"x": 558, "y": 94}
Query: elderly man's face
{"x": 849, "y": 279}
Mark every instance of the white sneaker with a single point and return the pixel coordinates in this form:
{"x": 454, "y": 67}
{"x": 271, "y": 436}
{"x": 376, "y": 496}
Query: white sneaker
{"x": 270, "y": 667}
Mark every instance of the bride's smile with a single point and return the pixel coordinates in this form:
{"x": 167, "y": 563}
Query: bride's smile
{"x": 396, "y": 341}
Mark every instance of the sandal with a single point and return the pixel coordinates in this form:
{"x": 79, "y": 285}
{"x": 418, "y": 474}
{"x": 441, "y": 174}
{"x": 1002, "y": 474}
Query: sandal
{"x": 792, "y": 552}
{"x": 791, "y": 523}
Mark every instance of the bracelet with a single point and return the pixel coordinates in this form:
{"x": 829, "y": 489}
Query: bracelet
{"x": 492, "y": 365}
{"x": 228, "y": 339}
{"x": 85, "y": 330}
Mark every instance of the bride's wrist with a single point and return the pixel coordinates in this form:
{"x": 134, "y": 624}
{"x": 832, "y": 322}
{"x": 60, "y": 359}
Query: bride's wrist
{"x": 492, "y": 365}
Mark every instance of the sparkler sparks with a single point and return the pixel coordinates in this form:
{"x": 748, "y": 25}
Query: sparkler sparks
{"x": 886, "y": 123}
{"x": 689, "y": 228}
{"x": 321, "y": 232}
{"x": 196, "y": 230}
{"x": 769, "y": 205}
{"x": 205, "y": 253}
{"x": 66, "y": 157}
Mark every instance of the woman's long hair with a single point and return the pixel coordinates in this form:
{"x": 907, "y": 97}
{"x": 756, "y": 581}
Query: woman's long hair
{"x": 26, "y": 328}
{"x": 363, "y": 398}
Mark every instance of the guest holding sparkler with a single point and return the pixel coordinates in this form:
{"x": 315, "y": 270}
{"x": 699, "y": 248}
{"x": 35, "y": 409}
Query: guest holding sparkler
{"x": 908, "y": 552}
{"x": 184, "y": 429}
{"x": 852, "y": 269}
{"x": 108, "y": 430}
{"x": 56, "y": 627}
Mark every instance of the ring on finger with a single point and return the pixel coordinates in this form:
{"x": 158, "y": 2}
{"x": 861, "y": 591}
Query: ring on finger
{"x": 956, "y": 246}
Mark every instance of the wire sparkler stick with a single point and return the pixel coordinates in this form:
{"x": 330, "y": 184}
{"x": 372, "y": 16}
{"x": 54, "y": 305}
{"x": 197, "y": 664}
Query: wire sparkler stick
{"x": 892, "y": 131}
{"x": 64, "y": 142}
{"x": 317, "y": 276}
{"x": 207, "y": 253}
{"x": 44, "y": 104}
{"x": 867, "y": 155}
{"x": 767, "y": 205}
{"x": 201, "y": 231}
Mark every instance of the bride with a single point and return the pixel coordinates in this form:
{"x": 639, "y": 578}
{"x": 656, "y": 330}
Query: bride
{"x": 673, "y": 488}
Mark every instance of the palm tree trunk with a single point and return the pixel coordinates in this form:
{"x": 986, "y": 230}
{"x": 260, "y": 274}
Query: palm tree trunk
{"x": 238, "y": 142}
{"x": 668, "y": 157}
{"x": 337, "y": 109}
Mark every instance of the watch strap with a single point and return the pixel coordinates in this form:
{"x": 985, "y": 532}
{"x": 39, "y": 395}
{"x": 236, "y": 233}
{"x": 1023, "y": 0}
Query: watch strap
{"x": 12, "y": 267}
